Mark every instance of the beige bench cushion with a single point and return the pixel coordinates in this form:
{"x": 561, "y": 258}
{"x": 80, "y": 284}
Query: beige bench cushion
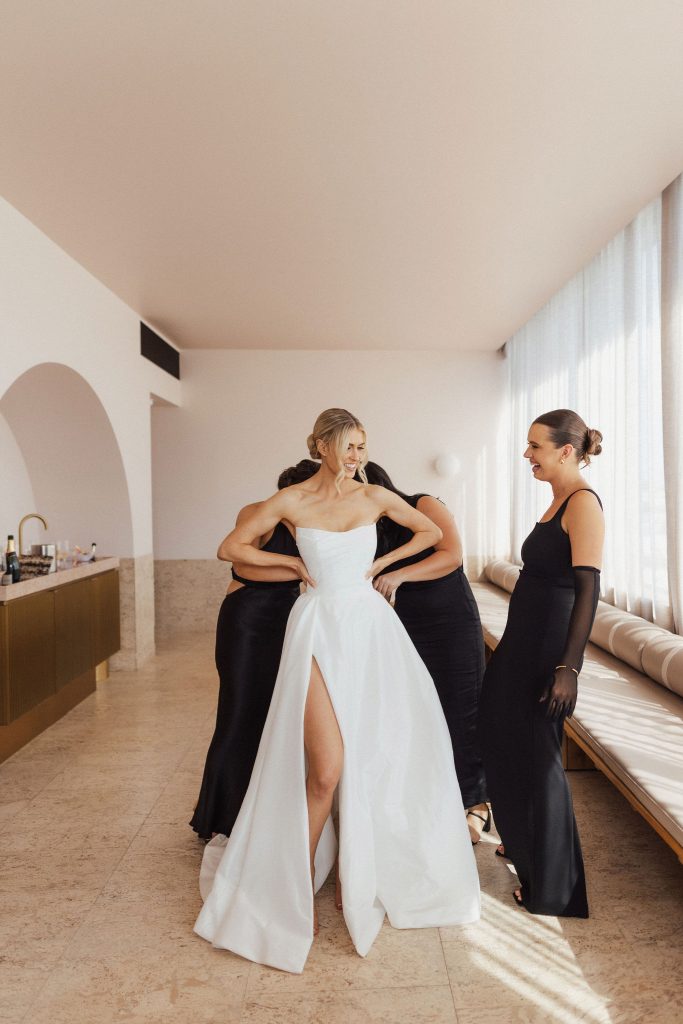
{"x": 642, "y": 645}
{"x": 636, "y": 727}
{"x": 493, "y": 609}
{"x": 504, "y": 574}
{"x": 633, "y": 724}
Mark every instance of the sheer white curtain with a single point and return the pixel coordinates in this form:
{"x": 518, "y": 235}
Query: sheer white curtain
{"x": 672, "y": 386}
{"x": 596, "y": 348}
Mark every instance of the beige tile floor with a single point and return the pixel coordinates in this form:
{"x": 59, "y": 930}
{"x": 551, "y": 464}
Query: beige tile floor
{"x": 99, "y": 893}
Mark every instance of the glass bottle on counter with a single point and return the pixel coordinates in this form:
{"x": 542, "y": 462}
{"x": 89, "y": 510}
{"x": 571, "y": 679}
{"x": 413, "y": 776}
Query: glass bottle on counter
{"x": 11, "y": 560}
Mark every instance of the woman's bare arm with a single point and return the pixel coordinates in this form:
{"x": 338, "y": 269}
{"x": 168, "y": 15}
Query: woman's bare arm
{"x": 241, "y": 545}
{"x": 586, "y": 528}
{"x": 261, "y": 574}
{"x": 446, "y": 558}
{"x": 425, "y": 532}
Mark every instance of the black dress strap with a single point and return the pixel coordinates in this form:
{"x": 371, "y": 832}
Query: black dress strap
{"x": 578, "y": 489}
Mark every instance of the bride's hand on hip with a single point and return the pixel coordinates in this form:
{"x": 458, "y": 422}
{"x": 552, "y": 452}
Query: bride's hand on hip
{"x": 388, "y": 584}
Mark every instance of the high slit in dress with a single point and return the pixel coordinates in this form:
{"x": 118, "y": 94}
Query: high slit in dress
{"x": 404, "y": 848}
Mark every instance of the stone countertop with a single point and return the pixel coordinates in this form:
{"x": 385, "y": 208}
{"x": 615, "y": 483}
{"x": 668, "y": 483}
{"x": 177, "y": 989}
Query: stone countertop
{"x": 56, "y": 579}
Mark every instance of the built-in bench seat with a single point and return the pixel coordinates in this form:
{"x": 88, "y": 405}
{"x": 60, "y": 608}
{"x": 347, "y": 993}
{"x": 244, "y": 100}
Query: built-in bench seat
{"x": 629, "y": 713}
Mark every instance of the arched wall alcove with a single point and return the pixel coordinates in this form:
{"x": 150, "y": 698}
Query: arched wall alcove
{"x": 52, "y": 422}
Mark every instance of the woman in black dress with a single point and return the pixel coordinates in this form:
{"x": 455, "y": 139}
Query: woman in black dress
{"x": 530, "y": 684}
{"x": 249, "y": 638}
{"x": 435, "y": 604}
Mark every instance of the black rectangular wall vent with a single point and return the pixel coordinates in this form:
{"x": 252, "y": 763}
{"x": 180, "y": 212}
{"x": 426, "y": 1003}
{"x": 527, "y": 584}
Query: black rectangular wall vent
{"x": 159, "y": 351}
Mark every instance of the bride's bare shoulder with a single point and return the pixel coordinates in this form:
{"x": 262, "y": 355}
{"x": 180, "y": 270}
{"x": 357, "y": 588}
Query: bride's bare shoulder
{"x": 377, "y": 494}
{"x": 296, "y": 495}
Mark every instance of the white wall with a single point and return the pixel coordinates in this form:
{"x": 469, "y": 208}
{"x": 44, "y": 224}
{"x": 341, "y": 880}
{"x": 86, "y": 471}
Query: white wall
{"x": 54, "y": 311}
{"x": 16, "y": 492}
{"x": 72, "y": 459}
{"x": 246, "y": 416}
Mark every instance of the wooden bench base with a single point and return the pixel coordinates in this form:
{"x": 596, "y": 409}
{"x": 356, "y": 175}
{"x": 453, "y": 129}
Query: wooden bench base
{"x": 574, "y": 757}
{"x": 624, "y": 790}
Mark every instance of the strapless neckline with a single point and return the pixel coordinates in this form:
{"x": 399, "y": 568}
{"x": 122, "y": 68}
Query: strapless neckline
{"x": 317, "y": 529}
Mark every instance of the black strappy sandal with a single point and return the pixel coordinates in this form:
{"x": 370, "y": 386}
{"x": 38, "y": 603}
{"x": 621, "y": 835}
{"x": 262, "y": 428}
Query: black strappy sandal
{"x": 518, "y": 898}
{"x": 486, "y": 820}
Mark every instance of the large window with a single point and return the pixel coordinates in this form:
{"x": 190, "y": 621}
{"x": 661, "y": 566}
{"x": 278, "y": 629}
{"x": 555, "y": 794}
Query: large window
{"x": 597, "y": 347}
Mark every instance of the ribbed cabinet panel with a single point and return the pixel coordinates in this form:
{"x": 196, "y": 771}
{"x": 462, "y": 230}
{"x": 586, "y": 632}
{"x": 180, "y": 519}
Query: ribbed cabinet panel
{"x": 31, "y": 648}
{"x": 106, "y": 617}
{"x": 74, "y": 613}
{"x": 4, "y": 667}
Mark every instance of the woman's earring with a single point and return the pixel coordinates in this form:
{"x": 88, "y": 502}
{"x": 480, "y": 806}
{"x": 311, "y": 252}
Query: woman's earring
{"x": 562, "y": 462}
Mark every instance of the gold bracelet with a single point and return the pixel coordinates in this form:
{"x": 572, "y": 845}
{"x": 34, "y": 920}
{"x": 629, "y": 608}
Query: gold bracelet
{"x": 575, "y": 670}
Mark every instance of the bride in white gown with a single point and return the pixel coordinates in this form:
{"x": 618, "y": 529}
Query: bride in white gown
{"x": 353, "y": 707}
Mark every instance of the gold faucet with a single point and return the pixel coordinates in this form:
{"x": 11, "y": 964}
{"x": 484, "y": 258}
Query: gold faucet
{"x": 31, "y": 515}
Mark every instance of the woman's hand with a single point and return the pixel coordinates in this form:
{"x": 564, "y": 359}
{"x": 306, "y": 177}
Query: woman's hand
{"x": 376, "y": 568}
{"x": 561, "y": 694}
{"x": 388, "y": 584}
{"x": 299, "y": 567}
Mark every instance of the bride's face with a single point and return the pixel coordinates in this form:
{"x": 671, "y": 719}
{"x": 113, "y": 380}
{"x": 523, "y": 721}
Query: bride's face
{"x": 351, "y": 458}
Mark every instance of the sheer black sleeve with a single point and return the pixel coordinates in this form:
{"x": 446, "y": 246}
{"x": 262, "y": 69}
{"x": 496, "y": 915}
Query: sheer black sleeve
{"x": 561, "y": 694}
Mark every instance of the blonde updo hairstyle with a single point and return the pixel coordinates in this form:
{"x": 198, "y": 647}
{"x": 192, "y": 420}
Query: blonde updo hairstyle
{"x": 567, "y": 427}
{"x": 333, "y": 427}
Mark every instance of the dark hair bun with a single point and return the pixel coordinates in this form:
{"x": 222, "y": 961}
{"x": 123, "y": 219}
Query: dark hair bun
{"x": 593, "y": 442}
{"x": 591, "y": 445}
{"x": 303, "y": 470}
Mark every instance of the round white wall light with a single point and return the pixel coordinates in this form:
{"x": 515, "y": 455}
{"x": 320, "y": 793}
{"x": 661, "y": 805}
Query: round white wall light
{"x": 447, "y": 465}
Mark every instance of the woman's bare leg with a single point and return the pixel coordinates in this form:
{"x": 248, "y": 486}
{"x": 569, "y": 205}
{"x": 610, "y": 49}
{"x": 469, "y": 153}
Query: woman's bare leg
{"x": 325, "y": 753}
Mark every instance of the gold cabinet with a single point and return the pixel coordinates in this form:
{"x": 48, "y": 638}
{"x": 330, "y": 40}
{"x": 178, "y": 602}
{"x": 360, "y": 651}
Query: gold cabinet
{"x": 30, "y": 653}
{"x": 50, "y": 643}
{"x": 106, "y": 620}
{"x": 74, "y": 614}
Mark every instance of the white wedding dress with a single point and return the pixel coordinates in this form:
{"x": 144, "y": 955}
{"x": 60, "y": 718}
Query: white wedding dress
{"x": 404, "y": 848}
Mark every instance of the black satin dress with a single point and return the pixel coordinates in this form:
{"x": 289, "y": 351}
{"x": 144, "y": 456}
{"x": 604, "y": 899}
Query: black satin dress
{"x": 249, "y": 638}
{"x": 529, "y": 794}
{"x": 442, "y": 620}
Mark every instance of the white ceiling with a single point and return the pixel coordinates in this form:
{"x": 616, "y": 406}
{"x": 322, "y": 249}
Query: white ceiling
{"x": 392, "y": 174}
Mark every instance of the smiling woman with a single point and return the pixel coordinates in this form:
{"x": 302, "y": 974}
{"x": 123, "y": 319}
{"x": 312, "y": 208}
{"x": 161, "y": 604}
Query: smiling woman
{"x": 530, "y": 684}
{"x": 354, "y": 697}
{"x": 332, "y": 436}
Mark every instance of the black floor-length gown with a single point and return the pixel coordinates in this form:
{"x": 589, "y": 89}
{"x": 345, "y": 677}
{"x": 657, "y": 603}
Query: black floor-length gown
{"x": 529, "y": 794}
{"x": 249, "y": 638}
{"x": 442, "y": 620}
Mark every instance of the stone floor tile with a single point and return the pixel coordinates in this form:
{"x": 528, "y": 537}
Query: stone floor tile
{"x": 426, "y": 1005}
{"x": 514, "y": 974}
{"x": 541, "y": 1011}
{"x": 158, "y": 989}
{"x": 152, "y": 876}
{"x": 11, "y": 813}
{"x": 631, "y": 971}
{"x": 20, "y": 985}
